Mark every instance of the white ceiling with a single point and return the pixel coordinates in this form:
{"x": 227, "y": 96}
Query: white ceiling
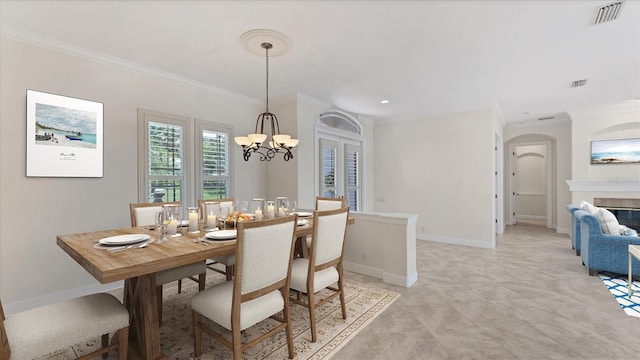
{"x": 425, "y": 57}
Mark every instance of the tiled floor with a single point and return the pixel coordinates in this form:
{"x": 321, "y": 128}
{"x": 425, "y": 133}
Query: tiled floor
{"x": 530, "y": 298}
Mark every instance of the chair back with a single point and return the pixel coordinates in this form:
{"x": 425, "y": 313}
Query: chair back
{"x": 327, "y": 203}
{"x": 145, "y": 213}
{"x": 329, "y": 231}
{"x": 263, "y": 257}
{"x": 5, "y": 350}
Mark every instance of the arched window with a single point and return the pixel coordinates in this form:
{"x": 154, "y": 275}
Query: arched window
{"x": 340, "y": 120}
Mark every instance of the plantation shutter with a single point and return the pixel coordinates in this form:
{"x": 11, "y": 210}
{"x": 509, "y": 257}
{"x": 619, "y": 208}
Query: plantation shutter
{"x": 165, "y": 162}
{"x": 328, "y": 171}
{"x": 352, "y": 170}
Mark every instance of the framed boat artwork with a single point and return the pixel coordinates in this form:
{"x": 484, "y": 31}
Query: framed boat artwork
{"x": 64, "y": 136}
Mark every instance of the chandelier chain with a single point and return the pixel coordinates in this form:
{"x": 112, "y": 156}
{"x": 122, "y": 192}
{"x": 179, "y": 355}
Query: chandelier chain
{"x": 267, "y": 52}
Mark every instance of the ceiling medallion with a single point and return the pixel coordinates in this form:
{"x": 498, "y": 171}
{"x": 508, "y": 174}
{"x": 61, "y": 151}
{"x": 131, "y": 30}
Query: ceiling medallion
{"x": 252, "y": 40}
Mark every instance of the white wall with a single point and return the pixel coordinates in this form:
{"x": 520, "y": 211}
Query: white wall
{"x": 617, "y": 121}
{"x": 34, "y": 210}
{"x": 441, "y": 169}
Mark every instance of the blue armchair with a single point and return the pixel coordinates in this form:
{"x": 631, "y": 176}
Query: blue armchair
{"x": 575, "y": 229}
{"x": 603, "y": 252}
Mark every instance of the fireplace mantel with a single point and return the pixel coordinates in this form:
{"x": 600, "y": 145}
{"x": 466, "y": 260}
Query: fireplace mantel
{"x": 603, "y": 185}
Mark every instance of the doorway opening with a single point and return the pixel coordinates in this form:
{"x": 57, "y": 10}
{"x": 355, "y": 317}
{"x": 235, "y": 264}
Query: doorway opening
{"x": 530, "y": 184}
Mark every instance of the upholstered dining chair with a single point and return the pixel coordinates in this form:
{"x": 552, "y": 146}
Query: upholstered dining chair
{"x": 227, "y": 260}
{"x": 145, "y": 214}
{"x": 323, "y": 267}
{"x": 327, "y": 203}
{"x": 37, "y": 332}
{"x": 259, "y": 290}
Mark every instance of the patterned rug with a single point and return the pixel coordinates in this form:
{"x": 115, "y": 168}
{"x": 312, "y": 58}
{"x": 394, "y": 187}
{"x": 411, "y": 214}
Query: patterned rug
{"x": 618, "y": 286}
{"x": 364, "y": 303}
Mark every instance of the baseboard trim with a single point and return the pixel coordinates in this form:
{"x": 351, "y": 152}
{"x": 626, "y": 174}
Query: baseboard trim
{"x": 455, "y": 241}
{"x": 363, "y": 269}
{"x": 405, "y": 281}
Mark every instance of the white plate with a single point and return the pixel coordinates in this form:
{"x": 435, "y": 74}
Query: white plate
{"x": 303, "y": 222}
{"x": 304, "y": 214}
{"x": 124, "y": 239}
{"x": 221, "y": 235}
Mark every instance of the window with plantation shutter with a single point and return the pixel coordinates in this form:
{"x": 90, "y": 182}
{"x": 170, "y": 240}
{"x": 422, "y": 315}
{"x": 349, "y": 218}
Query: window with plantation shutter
{"x": 339, "y": 160}
{"x": 214, "y": 161}
{"x": 164, "y": 159}
{"x": 183, "y": 159}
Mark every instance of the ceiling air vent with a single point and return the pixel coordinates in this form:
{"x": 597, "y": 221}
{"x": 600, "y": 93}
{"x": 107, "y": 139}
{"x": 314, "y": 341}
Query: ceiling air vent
{"x": 578, "y": 83}
{"x": 608, "y": 12}
{"x": 546, "y": 118}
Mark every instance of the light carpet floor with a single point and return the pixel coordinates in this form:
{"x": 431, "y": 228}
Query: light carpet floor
{"x": 364, "y": 303}
{"x": 618, "y": 287}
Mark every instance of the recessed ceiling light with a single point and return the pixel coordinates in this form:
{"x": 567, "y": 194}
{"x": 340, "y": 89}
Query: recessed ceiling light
{"x": 384, "y": 101}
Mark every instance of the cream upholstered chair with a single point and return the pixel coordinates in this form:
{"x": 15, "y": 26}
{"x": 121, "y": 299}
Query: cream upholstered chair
{"x": 145, "y": 214}
{"x": 323, "y": 267}
{"x": 40, "y": 331}
{"x": 227, "y": 260}
{"x": 327, "y": 203}
{"x": 259, "y": 290}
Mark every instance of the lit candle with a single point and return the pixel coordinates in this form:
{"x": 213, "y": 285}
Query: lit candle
{"x": 172, "y": 227}
{"x": 271, "y": 211}
{"x": 211, "y": 221}
{"x": 282, "y": 212}
{"x": 193, "y": 221}
{"x": 258, "y": 214}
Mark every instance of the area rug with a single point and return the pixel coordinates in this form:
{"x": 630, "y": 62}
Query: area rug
{"x": 364, "y": 304}
{"x": 618, "y": 287}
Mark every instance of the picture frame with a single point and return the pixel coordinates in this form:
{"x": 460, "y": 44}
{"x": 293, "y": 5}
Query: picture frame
{"x": 615, "y": 151}
{"x": 64, "y": 136}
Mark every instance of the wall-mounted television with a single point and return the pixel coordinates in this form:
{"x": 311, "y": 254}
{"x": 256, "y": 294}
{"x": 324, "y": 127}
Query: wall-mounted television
{"x": 617, "y": 151}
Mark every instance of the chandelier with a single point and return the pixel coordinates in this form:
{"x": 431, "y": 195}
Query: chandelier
{"x": 257, "y": 142}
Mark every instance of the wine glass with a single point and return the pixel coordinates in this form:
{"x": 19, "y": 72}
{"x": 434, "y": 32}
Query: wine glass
{"x": 160, "y": 226}
{"x": 224, "y": 213}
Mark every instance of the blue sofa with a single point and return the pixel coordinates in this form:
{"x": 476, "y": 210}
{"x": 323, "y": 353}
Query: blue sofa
{"x": 603, "y": 252}
{"x": 575, "y": 229}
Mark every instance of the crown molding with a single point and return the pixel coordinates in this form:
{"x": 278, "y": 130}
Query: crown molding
{"x": 86, "y": 54}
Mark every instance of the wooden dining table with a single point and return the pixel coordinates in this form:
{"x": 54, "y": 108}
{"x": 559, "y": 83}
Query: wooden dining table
{"x": 138, "y": 266}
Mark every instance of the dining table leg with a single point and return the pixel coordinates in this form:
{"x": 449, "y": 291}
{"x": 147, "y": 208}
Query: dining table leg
{"x": 144, "y": 326}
